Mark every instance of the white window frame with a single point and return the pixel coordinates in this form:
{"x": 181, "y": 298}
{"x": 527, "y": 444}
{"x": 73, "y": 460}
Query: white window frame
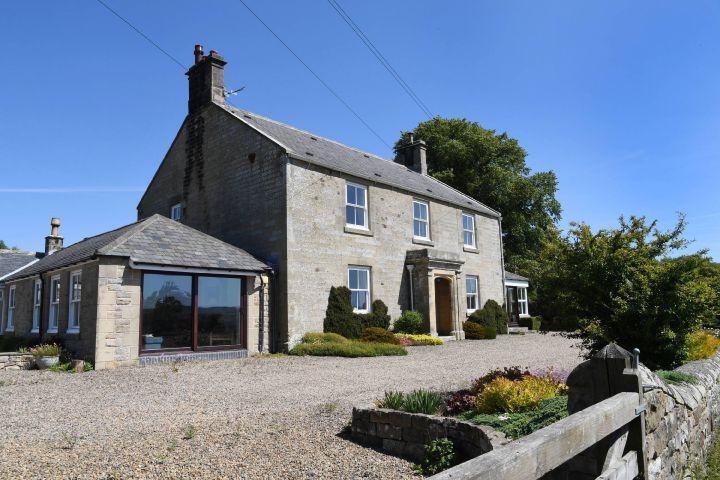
{"x": 54, "y": 310}
{"x": 37, "y": 302}
{"x": 475, "y": 296}
{"x": 10, "y": 325}
{"x": 471, "y": 231}
{"x": 420, "y": 220}
{"x": 74, "y": 303}
{"x": 368, "y": 291}
{"x": 176, "y": 212}
{"x": 522, "y": 300}
{"x": 357, "y": 206}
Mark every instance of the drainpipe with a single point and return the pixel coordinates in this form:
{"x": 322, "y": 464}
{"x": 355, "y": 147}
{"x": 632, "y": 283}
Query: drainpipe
{"x": 412, "y": 293}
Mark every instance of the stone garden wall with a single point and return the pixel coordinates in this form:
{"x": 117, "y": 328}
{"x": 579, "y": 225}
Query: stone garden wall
{"x": 16, "y": 361}
{"x": 681, "y": 420}
{"x": 405, "y": 434}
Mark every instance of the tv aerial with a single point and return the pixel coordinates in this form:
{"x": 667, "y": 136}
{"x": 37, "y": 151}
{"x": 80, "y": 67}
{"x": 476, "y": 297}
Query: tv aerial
{"x": 228, "y": 93}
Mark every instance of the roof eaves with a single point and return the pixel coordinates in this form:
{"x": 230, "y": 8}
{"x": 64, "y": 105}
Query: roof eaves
{"x": 9, "y": 274}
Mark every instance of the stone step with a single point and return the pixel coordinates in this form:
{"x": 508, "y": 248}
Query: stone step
{"x": 521, "y": 330}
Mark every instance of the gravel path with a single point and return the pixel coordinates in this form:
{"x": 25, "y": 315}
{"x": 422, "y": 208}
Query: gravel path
{"x": 252, "y": 418}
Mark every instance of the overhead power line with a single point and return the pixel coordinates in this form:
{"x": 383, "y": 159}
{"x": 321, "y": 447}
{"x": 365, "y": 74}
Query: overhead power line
{"x": 329, "y": 89}
{"x": 139, "y": 32}
{"x": 380, "y": 57}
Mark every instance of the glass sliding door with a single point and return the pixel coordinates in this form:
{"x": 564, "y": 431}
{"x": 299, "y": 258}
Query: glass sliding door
{"x": 167, "y": 315}
{"x": 220, "y": 312}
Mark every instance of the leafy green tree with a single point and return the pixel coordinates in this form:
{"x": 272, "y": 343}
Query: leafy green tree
{"x": 3, "y": 245}
{"x": 491, "y": 168}
{"x": 625, "y": 285}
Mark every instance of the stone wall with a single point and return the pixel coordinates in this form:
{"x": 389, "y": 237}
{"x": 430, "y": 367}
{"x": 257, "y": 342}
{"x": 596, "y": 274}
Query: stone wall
{"x": 406, "y": 434}
{"x": 681, "y": 420}
{"x": 16, "y": 361}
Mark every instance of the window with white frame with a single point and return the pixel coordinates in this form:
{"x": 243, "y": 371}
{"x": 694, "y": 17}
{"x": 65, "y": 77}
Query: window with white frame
{"x": 421, "y": 222}
{"x": 356, "y": 206}
{"x": 37, "y": 299}
{"x": 471, "y": 293}
{"x": 176, "y": 212}
{"x": 359, "y": 284}
{"x": 54, "y": 305}
{"x": 522, "y": 301}
{"x": 10, "y": 325}
{"x": 468, "y": 223}
{"x": 74, "y": 301}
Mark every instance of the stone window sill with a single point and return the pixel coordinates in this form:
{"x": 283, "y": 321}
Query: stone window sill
{"x": 35, "y": 330}
{"x": 9, "y": 330}
{"x": 470, "y": 249}
{"x": 423, "y": 241}
{"x": 52, "y": 330}
{"x": 71, "y": 331}
{"x": 358, "y": 231}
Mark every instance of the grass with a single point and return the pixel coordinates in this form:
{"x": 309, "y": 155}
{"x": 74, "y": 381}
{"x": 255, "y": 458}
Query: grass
{"x": 417, "y": 401}
{"x": 66, "y": 367}
{"x": 333, "y": 345}
{"x": 189, "y": 432}
{"x": 516, "y": 425}
{"x": 673, "y": 377}
{"x": 711, "y": 469}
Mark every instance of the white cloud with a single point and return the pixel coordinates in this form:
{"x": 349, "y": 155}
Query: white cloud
{"x": 73, "y": 190}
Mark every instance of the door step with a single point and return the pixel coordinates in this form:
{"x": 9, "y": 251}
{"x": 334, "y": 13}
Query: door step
{"x": 517, "y": 330}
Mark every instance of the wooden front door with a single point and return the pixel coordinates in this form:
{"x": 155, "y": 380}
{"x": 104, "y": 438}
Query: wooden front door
{"x": 443, "y": 306}
{"x": 512, "y": 306}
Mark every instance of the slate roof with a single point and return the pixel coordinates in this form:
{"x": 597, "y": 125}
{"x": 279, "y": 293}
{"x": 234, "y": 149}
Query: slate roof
{"x": 155, "y": 240}
{"x": 11, "y": 260}
{"x": 336, "y": 156}
{"x": 515, "y": 277}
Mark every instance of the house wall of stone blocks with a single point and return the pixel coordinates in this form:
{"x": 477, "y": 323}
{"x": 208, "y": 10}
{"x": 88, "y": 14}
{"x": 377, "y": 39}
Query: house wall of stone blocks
{"x": 118, "y": 314}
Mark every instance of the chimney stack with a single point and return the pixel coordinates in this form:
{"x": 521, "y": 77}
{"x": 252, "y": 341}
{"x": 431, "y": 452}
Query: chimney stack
{"x": 53, "y": 242}
{"x": 206, "y": 79}
{"x": 412, "y": 153}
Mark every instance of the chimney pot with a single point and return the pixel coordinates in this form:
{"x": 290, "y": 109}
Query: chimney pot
{"x": 413, "y": 154}
{"x": 53, "y": 242}
{"x": 206, "y": 80}
{"x": 198, "y": 54}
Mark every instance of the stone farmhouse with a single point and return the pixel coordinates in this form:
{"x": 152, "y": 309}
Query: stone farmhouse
{"x": 288, "y": 212}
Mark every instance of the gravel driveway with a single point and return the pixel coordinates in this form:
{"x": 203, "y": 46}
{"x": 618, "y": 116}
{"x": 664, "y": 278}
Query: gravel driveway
{"x": 251, "y": 418}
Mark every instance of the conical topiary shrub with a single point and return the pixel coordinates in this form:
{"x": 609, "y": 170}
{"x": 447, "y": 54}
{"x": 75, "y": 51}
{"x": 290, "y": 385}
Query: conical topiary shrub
{"x": 339, "y": 316}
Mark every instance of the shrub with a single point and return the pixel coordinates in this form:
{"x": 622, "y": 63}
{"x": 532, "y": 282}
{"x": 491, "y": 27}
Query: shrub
{"x": 559, "y": 324}
{"x": 392, "y": 400}
{"x": 379, "y": 335}
{"x": 516, "y": 425}
{"x": 503, "y": 395}
{"x": 318, "y": 337}
{"x": 459, "y": 402}
{"x": 439, "y": 455}
{"x": 351, "y": 348}
{"x": 46, "y": 350}
{"x": 701, "y": 345}
{"x": 674, "y": 377}
{"x": 474, "y": 331}
{"x": 532, "y": 323}
{"x": 409, "y": 322}
{"x": 339, "y": 316}
{"x": 510, "y": 373}
{"x": 377, "y": 318}
{"x": 491, "y": 315}
{"x": 418, "y": 340}
{"x": 423, "y": 401}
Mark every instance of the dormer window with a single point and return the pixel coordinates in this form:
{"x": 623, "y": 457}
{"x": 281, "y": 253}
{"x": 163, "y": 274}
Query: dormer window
{"x": 356, "y": 206}
{"x": 421, "y": 220}
{"x": 176, "y": 212}
{"x": 468, "y": 224}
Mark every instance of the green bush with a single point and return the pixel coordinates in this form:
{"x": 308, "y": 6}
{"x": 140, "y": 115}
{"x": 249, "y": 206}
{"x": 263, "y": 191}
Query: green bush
{"x": 379, "y": 335}
{"x": 503, "y": 395}
{"x": 392, "y": 400}
{"x": 339, "y": 316}
{"x": 318, "y": 337}
{"x": 377, "y": 318}
{"x": 424, "y": 401}
{"x": 516, "y": 425}
{"x": 474, "y": 331}
{"x": 351, "y": 348}
{"x": 439, "y": 455}
{"x": 559, "y": 324}
{"x": 532, "y": 323}
{"x": 410, "y": 322}
{"x": 491, "y": 315}
{"x": 674, "y": 377}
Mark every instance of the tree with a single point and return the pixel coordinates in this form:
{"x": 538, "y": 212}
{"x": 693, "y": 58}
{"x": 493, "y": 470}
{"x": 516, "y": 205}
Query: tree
{"x": 624, "y": 285}
{"x": 3, "y": 246}
{"x": 491, "y": 168}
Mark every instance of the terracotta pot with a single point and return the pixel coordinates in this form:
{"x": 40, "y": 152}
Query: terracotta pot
{"x": 44, "y": 363}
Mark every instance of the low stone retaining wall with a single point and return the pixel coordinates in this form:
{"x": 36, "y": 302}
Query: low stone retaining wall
{"x": 405, "y": 434}
{"x": 16, "y": 361}
{"x": 681, "y": 419}
{"x": 192, "y": 357}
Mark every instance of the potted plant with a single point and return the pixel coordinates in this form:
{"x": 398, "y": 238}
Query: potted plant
{"x": 46, "y": 355}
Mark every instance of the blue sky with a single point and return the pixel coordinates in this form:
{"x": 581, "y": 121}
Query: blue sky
{"x": 620, "y": 99}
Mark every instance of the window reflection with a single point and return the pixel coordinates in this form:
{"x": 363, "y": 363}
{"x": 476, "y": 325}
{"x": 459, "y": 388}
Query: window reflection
{"x": 167, "y": 311}
{"x": 219, "y": 311}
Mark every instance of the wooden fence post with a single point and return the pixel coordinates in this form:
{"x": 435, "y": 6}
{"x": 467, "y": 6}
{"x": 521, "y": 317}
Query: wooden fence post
{"x": 610, "y": 371}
